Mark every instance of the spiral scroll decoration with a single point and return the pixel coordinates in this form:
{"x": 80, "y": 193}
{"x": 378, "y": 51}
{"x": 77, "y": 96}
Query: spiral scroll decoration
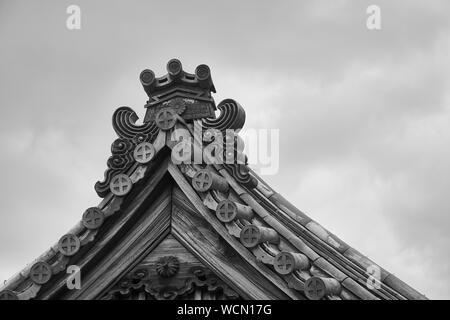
{"x": 121, "y": 159}
{"x": 232, "y": 116}
{"x": 124, "y": 123}
{"x": 242, "y": 174}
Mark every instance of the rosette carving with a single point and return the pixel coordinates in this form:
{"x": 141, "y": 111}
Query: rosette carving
{"x": 167, "y": 267}
{"x": 124, "y": 123}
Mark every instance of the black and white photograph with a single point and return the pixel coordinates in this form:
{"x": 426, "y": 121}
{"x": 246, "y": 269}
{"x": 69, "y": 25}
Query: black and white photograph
{"x": 225, "y": 150}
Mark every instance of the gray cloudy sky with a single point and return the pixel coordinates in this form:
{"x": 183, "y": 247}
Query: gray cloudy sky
{"x": 364, "y": 116}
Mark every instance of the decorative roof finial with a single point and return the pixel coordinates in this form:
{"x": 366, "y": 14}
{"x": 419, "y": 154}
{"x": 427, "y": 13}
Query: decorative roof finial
{"x": 189, "y": 95}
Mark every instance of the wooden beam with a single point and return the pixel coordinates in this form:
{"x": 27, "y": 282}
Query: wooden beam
{"x": 194, "y": 233}
{"x": 143, "y": 238}
{"x": 109, "y": 232}
{"x": 232, "y": 241}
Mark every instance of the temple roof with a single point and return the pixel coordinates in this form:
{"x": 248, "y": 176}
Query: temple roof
{"x": 221, "y": 213}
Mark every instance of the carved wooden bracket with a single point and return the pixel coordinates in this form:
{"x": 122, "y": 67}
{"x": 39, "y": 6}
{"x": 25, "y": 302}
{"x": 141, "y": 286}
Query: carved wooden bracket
{"x": 143, "y": 282}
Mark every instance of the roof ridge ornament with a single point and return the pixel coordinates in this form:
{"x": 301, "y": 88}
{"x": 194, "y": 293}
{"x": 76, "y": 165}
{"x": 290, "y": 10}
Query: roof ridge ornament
{"x": 188, "y": 94}
{"x": 130, "y": 135}
{"x": 177, "y": 76}
{"x": 301, "y": 256}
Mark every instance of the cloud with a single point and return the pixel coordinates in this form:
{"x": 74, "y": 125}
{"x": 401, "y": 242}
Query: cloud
{"x": 363, "y": 116}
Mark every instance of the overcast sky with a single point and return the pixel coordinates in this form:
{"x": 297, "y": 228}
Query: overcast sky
{"x": 364, "y": 116}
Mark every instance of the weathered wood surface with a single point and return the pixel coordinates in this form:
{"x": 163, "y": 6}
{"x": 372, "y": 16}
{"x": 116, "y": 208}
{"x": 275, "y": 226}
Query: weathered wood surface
{"x": 170, "y": 247}
{"x": 189, "y": 227}
{"x": 400, "y": 286}
{"x": 304, "y": 239}
{"x": 113, "y": 228}
{"x": 353, "y": 260}
{"x": 233, "y": 242}
{"x": 109, "y": 205}
{"x": 143, "y": 237}
{"x": 186, "y": 276}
